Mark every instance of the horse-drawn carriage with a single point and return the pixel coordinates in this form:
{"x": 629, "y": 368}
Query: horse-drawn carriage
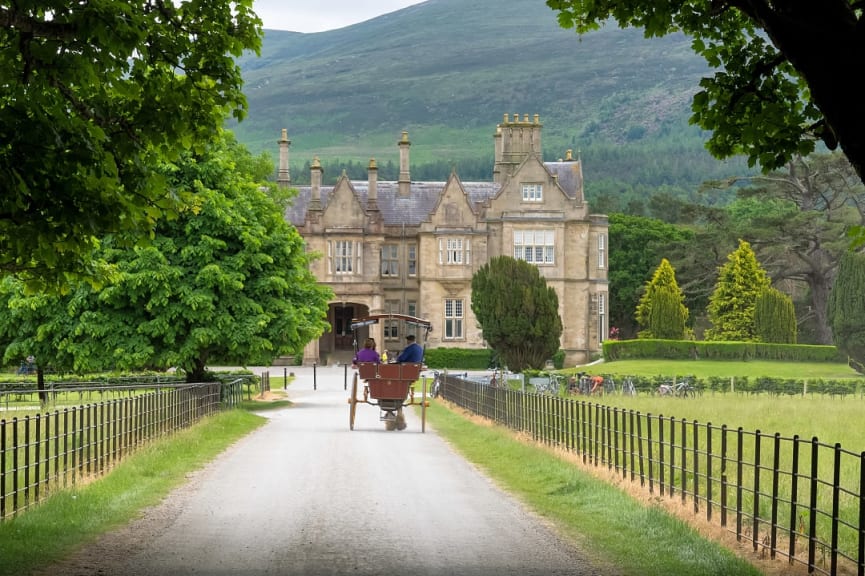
{"x": 390, "y": 386}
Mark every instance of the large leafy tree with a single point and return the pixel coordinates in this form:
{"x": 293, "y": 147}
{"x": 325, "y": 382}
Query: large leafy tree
{"x": 661, "y": 312}
{"x": 517, "y": 311}
{"x": 229, "y": 281}
{"x": 847, "y": 310}
{"x": 774, "y": 95}
{"x": 95, "y": 96}
{"x": 731, "y": 307}
{"x": 797, "y": 220}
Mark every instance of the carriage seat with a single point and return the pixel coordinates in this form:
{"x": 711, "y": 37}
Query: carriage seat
{"x": 408, "y": 371}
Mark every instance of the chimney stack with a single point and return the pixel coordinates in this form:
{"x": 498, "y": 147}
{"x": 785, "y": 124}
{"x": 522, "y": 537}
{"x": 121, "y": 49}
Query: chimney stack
{"x": 404, "y": 175}
{"x": 283, "y": 176}
{"x": 372, "y": 195}
{"x": 315, "y": 184}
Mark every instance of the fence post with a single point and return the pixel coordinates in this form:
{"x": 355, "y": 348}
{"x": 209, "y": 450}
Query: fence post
{"x": 755, "y": 524}
{"x": 794, "y": 498}
{"x": 860, "y": 560}
{"x": 836, "y": 507}
{"x": 776, "y": 472}
{"x": 812, "y": 506}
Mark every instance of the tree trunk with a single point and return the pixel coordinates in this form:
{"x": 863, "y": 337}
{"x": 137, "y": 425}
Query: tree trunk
{"x": 819, "y": 286}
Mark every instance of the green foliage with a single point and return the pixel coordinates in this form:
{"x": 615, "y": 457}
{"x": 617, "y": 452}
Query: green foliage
{"x": 661, "y": 311}
{"x": 796, "y": 219}
{"x": 95, "y": 96}
{"x": 717, "y": 350}
{"x": 847, "y": 310}
{"x": 230, "y": 281}
{"x": 636, "y": 244}
{"x": 458, "y": 358}
{"x": 774, "y": 317}
{"x": 731, "y": 306}
{"x": 765, "y": 99}
{"x": 517, "y": 311}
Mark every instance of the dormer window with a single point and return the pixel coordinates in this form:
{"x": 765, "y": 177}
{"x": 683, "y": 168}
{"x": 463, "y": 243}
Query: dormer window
{"x": 533, "y": 192}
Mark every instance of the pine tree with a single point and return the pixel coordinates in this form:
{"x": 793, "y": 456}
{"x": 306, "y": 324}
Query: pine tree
{"x": 731, "y": 305}
{"x": 661, "y": 312}
{"x": 847, "y": 309}
{"x": 775, "y": 317}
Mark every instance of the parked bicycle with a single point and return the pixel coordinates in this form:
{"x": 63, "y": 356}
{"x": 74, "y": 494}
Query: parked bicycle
{"x": 680, "y": 389}
{"x": 628, "y": 388}
{"x": 436, "y": 386}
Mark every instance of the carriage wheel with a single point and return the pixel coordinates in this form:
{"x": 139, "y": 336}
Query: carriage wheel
{"x": 353, "y": 402}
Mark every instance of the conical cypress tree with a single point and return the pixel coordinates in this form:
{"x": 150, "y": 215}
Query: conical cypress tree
{"x": 775, "y": 317}
{"x": 731, "y": 306}
{"x": 671, "y": 318}
{"x": 847, "y": 309}
{"x": 667, "y": 320}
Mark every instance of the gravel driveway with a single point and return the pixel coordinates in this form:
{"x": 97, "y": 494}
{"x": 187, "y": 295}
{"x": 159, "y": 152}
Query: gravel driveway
{"x": 305, "y": 495}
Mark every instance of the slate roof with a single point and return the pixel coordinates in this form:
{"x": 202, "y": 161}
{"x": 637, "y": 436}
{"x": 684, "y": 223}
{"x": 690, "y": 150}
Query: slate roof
{"x": 416, "y": 208}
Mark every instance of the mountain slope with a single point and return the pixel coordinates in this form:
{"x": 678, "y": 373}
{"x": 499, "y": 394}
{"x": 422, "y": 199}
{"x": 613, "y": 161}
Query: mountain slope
{"x": 447, "y": 70}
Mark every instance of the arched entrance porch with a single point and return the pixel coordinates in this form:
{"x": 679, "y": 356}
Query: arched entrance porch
{"x": 337, "y": 346}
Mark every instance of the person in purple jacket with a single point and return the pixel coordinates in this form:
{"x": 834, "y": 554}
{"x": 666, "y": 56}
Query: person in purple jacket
{"x": 367, "y": 353}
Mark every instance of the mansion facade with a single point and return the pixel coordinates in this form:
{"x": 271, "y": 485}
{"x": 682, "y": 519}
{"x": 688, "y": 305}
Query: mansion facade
{"x": 412, "y": 247}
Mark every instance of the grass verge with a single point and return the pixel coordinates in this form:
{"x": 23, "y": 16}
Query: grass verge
{"x": 71, "y": 518}
{"x": 632, "y": 537}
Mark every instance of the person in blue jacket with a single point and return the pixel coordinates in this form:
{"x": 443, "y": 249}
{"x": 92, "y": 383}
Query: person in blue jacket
{"x": 412, "y": 352}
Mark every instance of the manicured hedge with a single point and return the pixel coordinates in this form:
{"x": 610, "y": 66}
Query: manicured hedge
{"x": 693, "y": 349}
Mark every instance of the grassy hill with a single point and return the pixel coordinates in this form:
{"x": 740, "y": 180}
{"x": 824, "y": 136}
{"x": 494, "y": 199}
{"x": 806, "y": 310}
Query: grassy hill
{"x": 447, "y": 70}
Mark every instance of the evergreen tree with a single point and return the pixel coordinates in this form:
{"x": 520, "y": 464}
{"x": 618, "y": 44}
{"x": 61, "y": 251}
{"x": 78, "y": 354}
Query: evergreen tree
{"x": 517, "y": 311}
{"x": 731, "y": 306}
{"x": 667, "y": 320}
{"x": 661, "y": 312}
{"x": 775, "y": 317}
{"x": 847, "y": 309}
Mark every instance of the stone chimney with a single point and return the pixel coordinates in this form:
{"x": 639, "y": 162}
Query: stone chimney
{"x": 497, "y": 147}
{"x": 372, "y": 195}
{"x": 404, "y": 174}
{"x": 519, "y": 140}
{"x": 283, "y": 176}
{"x": 315, "y": 185}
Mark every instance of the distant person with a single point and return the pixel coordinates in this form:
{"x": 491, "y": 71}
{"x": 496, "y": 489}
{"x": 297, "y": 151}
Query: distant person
{"x": 367, "y": 353}
{"x": 412, "y": 352}
{"x": 384, "y": 356}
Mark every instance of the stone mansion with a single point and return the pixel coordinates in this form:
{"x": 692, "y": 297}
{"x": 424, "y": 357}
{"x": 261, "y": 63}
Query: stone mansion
{"x": 412, "y": 247}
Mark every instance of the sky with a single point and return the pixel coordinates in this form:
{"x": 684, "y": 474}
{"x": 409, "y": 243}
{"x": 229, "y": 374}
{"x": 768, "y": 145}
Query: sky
{"x": 309, "y": 16}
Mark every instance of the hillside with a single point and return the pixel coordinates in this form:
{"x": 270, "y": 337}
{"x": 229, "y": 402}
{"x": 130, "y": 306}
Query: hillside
{"x": 447, "y": 70}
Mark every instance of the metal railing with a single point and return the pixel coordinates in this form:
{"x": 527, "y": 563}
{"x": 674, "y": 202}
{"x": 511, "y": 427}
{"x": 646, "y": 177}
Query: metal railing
{"x": 790, "y": 497}
{"x": 42, "y": 453}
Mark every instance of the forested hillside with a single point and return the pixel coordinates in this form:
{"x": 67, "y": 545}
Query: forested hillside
{"x": 447, "y": 70}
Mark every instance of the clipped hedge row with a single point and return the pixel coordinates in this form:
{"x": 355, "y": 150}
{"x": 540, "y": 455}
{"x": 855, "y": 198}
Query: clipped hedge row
{"x": 745, "y": 385}
{"x": 466, "y": 359}
{"x": 696, "y": 349}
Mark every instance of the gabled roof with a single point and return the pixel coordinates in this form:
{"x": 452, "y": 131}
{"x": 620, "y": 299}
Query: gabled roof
{"x": 411, "y": 211}
{"x": 395, "y": 210}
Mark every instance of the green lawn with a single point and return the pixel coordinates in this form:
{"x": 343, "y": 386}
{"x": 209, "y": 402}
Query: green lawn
{"x": 726, "y": 368}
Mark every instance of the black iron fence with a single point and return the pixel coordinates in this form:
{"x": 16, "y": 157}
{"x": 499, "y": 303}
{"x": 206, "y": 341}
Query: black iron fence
{"x": 798, "y": 498}
{"x": 42, "y": 453}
